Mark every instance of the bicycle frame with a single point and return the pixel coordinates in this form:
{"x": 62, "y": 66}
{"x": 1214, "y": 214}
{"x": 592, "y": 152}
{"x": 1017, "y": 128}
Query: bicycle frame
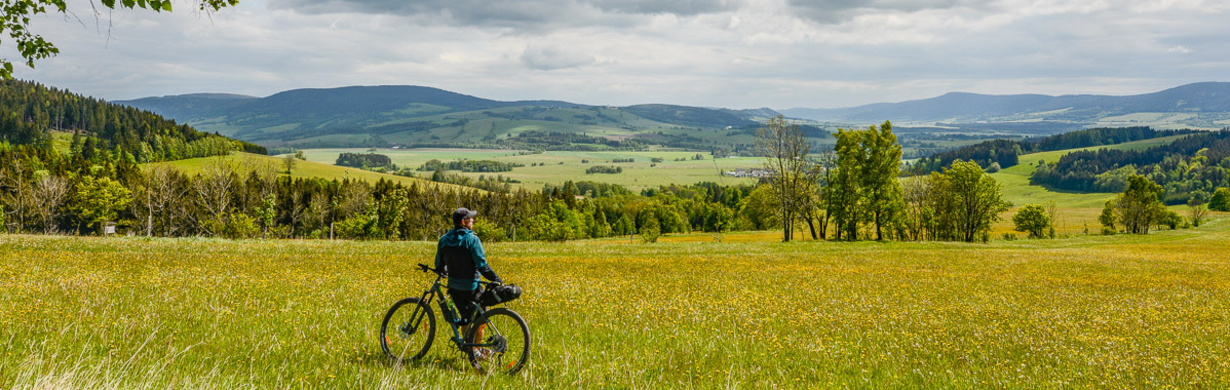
{"x": 437, "y": 292}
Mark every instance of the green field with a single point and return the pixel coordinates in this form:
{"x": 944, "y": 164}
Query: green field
{"x": 1078, "y": 211}
{"x": 560, "y": 166}
{"x": 1099, "y": 311}
{"x": 246, "y": 162}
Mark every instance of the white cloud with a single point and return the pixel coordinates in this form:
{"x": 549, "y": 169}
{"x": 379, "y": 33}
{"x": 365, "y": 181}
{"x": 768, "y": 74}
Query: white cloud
{"x": 1179, "y": 49}
{"x": 728, "y": 53}
{"x": 553, "y": 57}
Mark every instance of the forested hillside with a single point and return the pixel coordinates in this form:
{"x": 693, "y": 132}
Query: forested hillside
{"x": 1005, "y": 153}
{"x": 33, "y": 114}
{"x": 1200, "y": 105}
{"x": 1192, "y": 166}
{"x": 415, "y": 116}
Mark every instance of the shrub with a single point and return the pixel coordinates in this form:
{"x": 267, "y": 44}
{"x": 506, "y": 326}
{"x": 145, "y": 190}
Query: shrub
{"x": 651, "y": 231}
{"x": 489, "y": 231}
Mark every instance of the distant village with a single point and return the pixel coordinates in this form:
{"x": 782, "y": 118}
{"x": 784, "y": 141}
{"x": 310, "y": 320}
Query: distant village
{"x": 749, "y": 172}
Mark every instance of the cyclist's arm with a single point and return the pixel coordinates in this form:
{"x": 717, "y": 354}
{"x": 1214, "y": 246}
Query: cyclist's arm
{"x": 480, "y": 261}
{"x": 440, "y": 265}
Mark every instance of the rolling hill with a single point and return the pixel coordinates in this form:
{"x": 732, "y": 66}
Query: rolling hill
{"x": 424, "y": 116}
{"x": 1199, "y": 105}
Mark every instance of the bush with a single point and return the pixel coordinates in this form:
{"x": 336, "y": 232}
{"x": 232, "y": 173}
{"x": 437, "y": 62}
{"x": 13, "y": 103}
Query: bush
{"x": 359, "y": 227}
{"x": 239, "y": 225}
{"x": 603, "y": 169}
{"x": 1009, "y": 236}
{"x": 651, "y": 231}
{"x": 1032, "y": 219}
{"x": 489, "y": 231}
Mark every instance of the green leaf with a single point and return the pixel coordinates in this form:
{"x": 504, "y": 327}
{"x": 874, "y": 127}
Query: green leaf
{"x": 166, "y": 5}
{"x": 109, "y": 3}
{"x": 129, "y": 3}
{"x": 142, "y": 3}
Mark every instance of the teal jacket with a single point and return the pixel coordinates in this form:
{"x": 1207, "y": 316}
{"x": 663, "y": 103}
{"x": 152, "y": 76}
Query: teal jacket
{"x": 460, "y": 253}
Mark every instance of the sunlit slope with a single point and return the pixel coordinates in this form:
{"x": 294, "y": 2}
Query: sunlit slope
{"x": 302, "y": 169}
{"x": 1121, "y": 311}
{"x": 1017, "y": 189}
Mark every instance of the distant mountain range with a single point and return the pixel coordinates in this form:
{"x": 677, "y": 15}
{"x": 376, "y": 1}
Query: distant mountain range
{"x": 1202, "y": 105}
{"x": 424, "y": 116}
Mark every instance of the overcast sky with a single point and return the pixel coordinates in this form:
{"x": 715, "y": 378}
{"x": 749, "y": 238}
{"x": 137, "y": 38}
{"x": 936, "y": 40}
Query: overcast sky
{"x": 716, "y": 53}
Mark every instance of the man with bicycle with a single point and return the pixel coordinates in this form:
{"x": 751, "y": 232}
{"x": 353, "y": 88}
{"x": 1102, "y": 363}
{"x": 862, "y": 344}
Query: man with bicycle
{"x": 460, "y": 254}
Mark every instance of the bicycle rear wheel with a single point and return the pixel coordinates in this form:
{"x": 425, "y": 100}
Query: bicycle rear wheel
{"x": 408, "y": 330}
{"x": 506, "y": 342}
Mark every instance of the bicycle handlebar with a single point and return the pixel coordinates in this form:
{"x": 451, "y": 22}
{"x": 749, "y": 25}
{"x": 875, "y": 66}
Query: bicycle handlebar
{"x": 426, "y": 268}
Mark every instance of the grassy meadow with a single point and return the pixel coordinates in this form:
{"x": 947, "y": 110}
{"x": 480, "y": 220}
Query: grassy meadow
{"x": 689, "y": 312}
{"x": 303, "y": 169}
{"x": 560, "y": 166}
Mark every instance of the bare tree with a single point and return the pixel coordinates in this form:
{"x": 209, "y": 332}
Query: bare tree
{"x": 213, "y": 190}
{"x": 49, "y": 193}
{"x": 297, "y": 210}
{"x": 784, "y": 148}
{"x": 355, "y": 198}
{"x": 1052, "y": 213}
{"x": 161, "y": 201}
{"x": 916, "y": 199}
{"x": 1198, "y": 209}
{"x": 289, "y": 161}
{"x": 267, "y": 176}
{"x": 16, "y": 192}
{"x": 319, "y": 210}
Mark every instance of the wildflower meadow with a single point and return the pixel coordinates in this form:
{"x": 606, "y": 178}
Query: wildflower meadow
{"x": 1120, "y": 311}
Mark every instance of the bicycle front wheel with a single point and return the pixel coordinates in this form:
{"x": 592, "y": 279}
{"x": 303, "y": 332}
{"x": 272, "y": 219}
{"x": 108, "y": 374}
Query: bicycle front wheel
{"x": 407, "y": 330}
{"x": 504, "y": 342}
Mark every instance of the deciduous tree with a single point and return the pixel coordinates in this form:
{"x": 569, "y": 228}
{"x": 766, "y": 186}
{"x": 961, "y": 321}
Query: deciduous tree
{"x": 1033, "y": 219}
{"x": 977, "y": 199}
{"x": 785, "y": 148}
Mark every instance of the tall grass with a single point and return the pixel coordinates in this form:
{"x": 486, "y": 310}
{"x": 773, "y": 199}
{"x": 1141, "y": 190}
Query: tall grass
{"x": 1111, "y": 312}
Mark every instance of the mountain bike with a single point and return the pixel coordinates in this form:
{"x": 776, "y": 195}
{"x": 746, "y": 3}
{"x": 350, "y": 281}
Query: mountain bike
{"x": 409, "y": 329}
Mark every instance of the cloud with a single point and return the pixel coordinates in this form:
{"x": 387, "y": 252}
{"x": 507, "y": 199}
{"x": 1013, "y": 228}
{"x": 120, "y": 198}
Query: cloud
{"x": 1179, "y": 49}
{"x": 721, "y": 53}
{"x": 837, "y": 11}
{"x": 553, "y": 57}
{"x": 522, "y": 15}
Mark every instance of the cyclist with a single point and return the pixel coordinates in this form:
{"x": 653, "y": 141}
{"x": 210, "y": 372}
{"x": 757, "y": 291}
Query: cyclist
{"x": 460, "y": 254}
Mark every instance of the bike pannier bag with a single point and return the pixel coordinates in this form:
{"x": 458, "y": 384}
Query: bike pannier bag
{"x": 500, "y": 295}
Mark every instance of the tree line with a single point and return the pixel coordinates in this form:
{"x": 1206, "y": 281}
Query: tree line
{"x": 49, "y": 192}
{"x": 1190, "y": 167}
{"x": 1002, "y": 153}
{"x": 854, "y": 192}
{"x": 32, "y": 114}
{"x": 364, "y": 160}
{"x": 469, "y": 166}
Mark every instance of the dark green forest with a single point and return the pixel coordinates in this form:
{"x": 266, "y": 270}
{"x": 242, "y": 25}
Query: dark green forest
{"x": 33, "y": 114}
{"x": 1192, "y": 166}
{"x": 1005, "y": 153}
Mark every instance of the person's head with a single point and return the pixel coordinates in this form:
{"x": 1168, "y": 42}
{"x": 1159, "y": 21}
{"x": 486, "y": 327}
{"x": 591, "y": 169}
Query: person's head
{"x": 464, "y": 217}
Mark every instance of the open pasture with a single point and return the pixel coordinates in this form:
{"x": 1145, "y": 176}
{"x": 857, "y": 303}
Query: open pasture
{"x": 1092, "y": 311}
{"x": 246, "y": 162}
{"x": 557, "y": 167}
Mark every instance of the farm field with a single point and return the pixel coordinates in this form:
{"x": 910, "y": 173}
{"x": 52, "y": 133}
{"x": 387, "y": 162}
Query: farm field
{"x": 1091, "y": 311}
{"x": 303, "y": 169}
{"x": 561, "y": 166}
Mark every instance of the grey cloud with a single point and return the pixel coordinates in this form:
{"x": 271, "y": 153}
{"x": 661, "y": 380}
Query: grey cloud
{"x": 552, "y": 57}
{"x": 835, "y": 11}
{"x": 677, "y": 7}
{"x": 527, "y": 14}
